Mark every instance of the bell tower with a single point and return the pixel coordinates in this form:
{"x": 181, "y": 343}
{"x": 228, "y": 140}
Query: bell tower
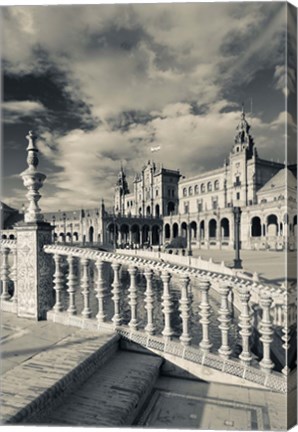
{"x": 121, "y": 189}
{"x": 242, "y": 155}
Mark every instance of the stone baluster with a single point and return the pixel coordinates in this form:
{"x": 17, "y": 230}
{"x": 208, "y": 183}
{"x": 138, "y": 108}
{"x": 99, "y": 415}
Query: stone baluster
{"x": 100, "y": 292}
{"x": 133, "y": 323}
{"x": 86, "y": 312}
{"x": 149, "y": 302}
{"x": 167, "y": 305}
{"x": 280, "y": 315}
{"x": 117, "y": 319}
{"x": 245, "y": 325}
{"x": 266, "y": 331}
{"x": 5, "y": 274}
{"x": 72, "y": 285}
{"x": 58, "y": 283}
{"x": 14, "y": 275}
{"x": 225, "y": 320}
{"x": 185, "y": 309}
{"x": 205, "y": 343}
{"x": 286, "y": 334}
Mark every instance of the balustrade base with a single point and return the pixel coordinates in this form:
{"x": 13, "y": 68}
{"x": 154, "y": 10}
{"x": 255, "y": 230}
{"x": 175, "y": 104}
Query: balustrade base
{"x": 190, "y": 358}
{"x": 8, "y": 306}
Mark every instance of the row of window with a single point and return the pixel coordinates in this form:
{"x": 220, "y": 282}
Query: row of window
{"x": 200, "y": 205}
{"x": 201, "y": 189}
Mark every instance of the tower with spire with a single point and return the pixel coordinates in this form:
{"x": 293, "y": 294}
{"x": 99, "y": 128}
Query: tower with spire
{"x": 243, "y": 158}
{"x": 121, "y": 189}
{"x": 244, "y": 141}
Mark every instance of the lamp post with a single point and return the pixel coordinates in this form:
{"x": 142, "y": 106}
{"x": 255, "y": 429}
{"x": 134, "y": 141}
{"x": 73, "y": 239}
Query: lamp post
{"x": 237, "y": 245}
{"x": 114, "y": 237}
{"x": 64, "y": 226}
{"x": 54, "y": 234}
{"x": 188, "y": 238}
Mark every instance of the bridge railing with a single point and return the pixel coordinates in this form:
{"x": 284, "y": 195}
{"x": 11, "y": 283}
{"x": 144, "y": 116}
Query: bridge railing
{"x": 91, "y": 283}
{"x": 8, "y": 295}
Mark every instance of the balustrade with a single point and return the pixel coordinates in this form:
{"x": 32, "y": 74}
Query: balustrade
{"x": 245, "y": 325}
{"x": 5, "y": 274}
{"x": 101, "y": 316}
{"x": 262, "y": 321}
{"x": 14, "y": 275}
{"x": 266, "y": 332}
{"x": 286, "y": 335}
{"x": 85, "y": 284}
{"x": 149, "y": 302}
{"x": 185, "y": 309}
{"x": 58, "y": 283}
{"x": 133, "y": 323}
{"x": 8, "y": 274}
{"x": 72, "y": 284}
{"x": 225, "y": 320}
{"x": 117, "y": 318}
{"x": 167, "y": 305}
{"x": 205, "y": 314}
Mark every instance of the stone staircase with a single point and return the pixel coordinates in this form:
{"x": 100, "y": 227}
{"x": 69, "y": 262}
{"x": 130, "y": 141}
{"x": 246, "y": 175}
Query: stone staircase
{"x": 113, "y": 396}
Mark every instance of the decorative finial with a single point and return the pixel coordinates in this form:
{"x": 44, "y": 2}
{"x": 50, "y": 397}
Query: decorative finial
{"x": 33, "y": 181}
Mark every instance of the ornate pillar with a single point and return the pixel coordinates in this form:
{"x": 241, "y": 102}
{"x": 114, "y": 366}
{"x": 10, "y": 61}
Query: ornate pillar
{"x": 204, "y": 306}
{"x": 149, "y": 302}
{"x": 185, "y": 309}
{"x": 266, "y": 331}
{"x": 116, "y": 294}
{"x": 58, "y": 283}
{"x": 72, "y": 285}
{"x": 167, "y": 305}
{"x": 5, "y": 274}
{"x": 224, "y": 319}
{"x": 245, "y": 325}
{"x": 100, "y": 292}
{"x": 133, "y": 323}
{"x": 35, "y": 267}
{"x": 86, "y": 312}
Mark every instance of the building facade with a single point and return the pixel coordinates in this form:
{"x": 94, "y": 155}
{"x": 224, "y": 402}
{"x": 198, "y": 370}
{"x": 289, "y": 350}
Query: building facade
{"x": 155, "y": 192}
{"x": 162, "y": 206}
{"x": 258, "y": 187}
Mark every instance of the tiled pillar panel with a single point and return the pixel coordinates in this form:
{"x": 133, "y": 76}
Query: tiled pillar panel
{"x": 35, "y": 270}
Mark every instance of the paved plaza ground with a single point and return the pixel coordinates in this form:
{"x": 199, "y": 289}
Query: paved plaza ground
{"x": 268, "y": 264}
{"x": 35, "y": 353}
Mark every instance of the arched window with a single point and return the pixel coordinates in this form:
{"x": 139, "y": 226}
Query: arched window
{"x": 190, "y": 190}
{"x": 202, "y": 188}
{"x": 196, "y": 189}
{"x": 184, "y": 192}
{"x": 209, "y": 186}
{"x": 216, "y": 185}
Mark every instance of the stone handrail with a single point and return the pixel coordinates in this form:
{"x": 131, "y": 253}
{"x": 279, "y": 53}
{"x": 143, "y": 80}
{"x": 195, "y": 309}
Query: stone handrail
{"x": 85, "y": 258}
{"x": 9, "y": 275}
{"x": 219, "y": 272}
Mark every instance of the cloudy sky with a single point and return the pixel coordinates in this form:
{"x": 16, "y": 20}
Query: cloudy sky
{"x": 102, "y": 84}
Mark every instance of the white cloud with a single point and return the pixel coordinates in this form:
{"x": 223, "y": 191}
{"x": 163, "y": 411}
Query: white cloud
{"x": 131, "y": 57}
{"x": 87, "y": 162}
{"x": 158, "y": 59}
{"x": 15, "y": 111}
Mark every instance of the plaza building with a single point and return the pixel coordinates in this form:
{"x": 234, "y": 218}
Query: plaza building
{"x": 163, "y": 205}
{"x": 264, "y": 191}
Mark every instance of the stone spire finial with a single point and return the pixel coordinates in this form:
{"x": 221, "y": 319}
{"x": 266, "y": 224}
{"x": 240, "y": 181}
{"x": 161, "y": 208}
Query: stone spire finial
{"x": 33, "y": 181}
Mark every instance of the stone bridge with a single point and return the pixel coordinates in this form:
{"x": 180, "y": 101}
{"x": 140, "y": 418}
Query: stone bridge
{"x": 214, "y": 323}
